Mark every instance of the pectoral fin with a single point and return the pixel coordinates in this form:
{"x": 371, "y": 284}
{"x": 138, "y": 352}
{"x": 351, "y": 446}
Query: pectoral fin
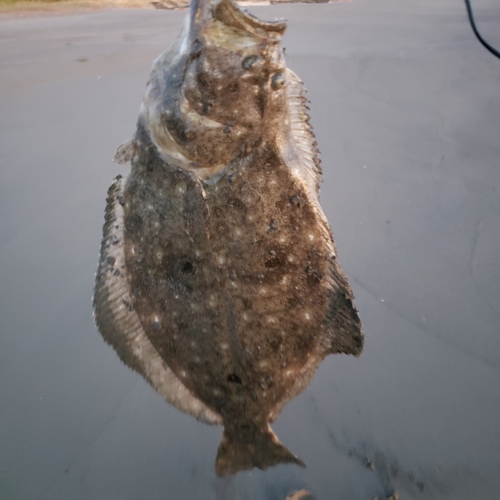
{"x": 125, "y": 152}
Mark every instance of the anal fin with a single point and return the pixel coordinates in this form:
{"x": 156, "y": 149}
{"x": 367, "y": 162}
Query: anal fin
{"x": 119, "y": 324}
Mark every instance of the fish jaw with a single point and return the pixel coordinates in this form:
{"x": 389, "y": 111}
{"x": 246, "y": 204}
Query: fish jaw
{"x": 215, "y": 94}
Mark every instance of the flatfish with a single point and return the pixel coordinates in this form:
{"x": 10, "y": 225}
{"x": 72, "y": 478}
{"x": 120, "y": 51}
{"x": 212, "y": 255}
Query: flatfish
{"x": 218, "y": 278}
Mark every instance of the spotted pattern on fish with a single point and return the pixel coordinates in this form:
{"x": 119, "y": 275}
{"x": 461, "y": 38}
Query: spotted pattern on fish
{"x": 218, "y": 278}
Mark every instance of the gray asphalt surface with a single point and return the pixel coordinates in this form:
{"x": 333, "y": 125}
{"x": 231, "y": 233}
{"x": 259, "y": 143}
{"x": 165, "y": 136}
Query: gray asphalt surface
{"x": 406, "y": 109}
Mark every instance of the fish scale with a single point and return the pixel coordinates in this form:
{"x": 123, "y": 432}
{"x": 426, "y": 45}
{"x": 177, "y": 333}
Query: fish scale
{"x": 209, "y": 279}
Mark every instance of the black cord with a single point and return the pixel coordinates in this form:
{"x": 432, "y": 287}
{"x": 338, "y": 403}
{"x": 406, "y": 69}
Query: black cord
{"x": 476, "y": 32}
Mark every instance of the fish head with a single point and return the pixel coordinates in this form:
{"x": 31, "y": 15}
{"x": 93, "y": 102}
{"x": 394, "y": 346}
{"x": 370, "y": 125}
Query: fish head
{"x": 236, "y": 75}
{"x": 221, "y": 91}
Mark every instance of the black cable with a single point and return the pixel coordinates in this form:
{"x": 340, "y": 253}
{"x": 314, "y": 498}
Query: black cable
{"x": 476, "y": 32}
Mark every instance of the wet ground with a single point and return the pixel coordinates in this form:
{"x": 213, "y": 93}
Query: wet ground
{"x": 406, "y": 108}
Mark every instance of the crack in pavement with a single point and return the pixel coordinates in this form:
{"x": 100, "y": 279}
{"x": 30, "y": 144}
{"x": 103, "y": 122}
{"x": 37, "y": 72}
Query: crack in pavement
{"x": 96, "y": 435}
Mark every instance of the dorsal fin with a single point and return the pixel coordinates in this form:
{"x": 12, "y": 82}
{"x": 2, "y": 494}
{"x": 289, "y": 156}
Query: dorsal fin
{"x": 344, "y": 325}
{"x": 299, "y": 150}
{"x": 302, "y": 132}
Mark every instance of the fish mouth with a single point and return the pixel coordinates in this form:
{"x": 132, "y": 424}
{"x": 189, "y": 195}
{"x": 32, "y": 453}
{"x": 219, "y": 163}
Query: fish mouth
{"x": 230, "y": 14}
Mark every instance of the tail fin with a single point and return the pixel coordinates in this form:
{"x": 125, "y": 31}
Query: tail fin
{"x": 248, "y": 446}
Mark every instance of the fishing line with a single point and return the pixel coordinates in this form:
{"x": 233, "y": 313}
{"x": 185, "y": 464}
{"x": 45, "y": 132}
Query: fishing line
{"x": 476, "y": 32}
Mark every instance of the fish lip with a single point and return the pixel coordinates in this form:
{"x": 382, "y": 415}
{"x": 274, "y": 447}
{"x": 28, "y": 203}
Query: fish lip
{"x": 229, "y": 13}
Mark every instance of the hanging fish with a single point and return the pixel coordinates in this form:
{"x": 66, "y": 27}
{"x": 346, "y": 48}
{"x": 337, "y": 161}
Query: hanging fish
{"x": 218, "y": 279}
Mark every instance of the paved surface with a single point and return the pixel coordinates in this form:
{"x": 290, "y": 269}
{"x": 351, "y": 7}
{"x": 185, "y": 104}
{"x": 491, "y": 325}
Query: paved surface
{"x": 406, "y": 107}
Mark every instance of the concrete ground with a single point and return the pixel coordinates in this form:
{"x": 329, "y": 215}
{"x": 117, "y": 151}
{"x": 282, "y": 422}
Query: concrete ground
{"x": 406, "y": 109}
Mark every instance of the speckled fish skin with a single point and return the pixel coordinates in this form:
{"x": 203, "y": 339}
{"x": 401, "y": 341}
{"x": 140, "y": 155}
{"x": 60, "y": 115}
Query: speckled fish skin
{"x": 218, "y": 279}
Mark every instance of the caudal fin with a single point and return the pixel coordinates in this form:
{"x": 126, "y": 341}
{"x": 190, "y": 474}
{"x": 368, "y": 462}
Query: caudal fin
{"x": 248, "y": 446}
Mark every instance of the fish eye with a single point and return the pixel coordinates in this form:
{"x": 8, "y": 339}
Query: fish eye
{"x": 277, "y": 80}
{"x": 249, "y": 62}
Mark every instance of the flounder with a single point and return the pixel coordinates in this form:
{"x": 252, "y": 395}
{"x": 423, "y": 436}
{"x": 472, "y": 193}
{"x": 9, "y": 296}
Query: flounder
{"x": 218, "y": 279}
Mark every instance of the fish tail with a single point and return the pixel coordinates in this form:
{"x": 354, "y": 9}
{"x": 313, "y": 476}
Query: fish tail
{"x": 247, "y": 446}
